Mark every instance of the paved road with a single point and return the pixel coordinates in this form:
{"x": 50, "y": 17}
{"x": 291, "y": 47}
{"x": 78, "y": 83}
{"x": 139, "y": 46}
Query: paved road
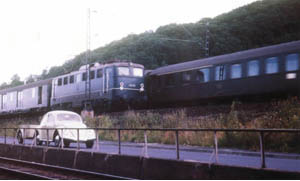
{"x": 290, "y": 162}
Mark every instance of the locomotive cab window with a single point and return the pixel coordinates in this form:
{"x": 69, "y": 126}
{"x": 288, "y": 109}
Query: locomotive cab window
{"x": 202, "y": 75}
{"x": 137, "y": 72}
{"x": 236, "y": 71}
{"x": 123, "y": 71}
{"x": 220, "y": 72}
{"x": 291, "y": 63}
{"x": 253, "y": 68}
{"x": 99, "y": 73}
{"x": 271, "y": 65}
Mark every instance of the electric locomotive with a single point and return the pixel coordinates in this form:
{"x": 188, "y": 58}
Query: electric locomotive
{"x": 111, "y": 86}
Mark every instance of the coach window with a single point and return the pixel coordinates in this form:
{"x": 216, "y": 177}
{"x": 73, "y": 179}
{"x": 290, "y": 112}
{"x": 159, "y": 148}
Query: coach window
{"x": 236, "y": 71}
{"x": 59, "y": 83}
{"x": 186, "y": 76}
{"x": 92, "y": 75}
{"x": 84, "y": 76}
{"x": 202, "y": 75}
{"x": 271, "y": 65}
{"x": 170, "y": 80}
{"x": 65, "y": 80}
{"x": 220, "y": 72}
{"x": 291, "y": 63}
{"x": 71, "y": 79}
{"x": 253, "y": 68}
{"x": 99, "y": 73}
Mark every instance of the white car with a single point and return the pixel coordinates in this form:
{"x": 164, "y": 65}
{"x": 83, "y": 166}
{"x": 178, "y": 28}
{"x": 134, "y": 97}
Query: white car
{"x": 58, "y": 124}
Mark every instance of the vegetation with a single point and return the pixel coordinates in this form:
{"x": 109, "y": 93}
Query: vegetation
{"x": 255, "y": 25}
{"x": 282, "y": 114}
{"x": 276, "y": 114}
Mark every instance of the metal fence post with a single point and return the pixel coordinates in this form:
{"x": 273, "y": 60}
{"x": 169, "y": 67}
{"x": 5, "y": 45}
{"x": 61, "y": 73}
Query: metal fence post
{"x": 146, "y": 144}
{"x": 262, "y": 149}
{"x": 119, "y": 141}
{"x": 14, "y": 142}
{"x": 24, "y": 136}
{"x": 47, "y": 141}
{"x": 77, "y": 138}
{"x": 97, "y": 140}
{"x": 4, "y": 135}
{"x": 216, "y": 146}
{"x": 62, "y": 138}
{"x": 35, "y": 137}
{"x": 177, "y": 145}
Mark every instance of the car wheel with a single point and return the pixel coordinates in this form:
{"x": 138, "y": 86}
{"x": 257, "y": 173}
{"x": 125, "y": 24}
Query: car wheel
{"x": 89, "y": 144}
{"x": 66, "y": 143}
{"x": 19, "y": 138}
{"x": 38, "y": 142}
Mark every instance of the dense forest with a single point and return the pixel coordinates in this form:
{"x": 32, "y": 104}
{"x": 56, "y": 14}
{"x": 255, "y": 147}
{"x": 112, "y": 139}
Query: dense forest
{"x": 258, "y": 24}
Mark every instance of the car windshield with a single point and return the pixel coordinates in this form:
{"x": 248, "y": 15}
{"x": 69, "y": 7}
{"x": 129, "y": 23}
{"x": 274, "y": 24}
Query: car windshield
{"x": 123, "y": 71}
{"x": 68, "y": 117}
{"x": 137, "y": 72}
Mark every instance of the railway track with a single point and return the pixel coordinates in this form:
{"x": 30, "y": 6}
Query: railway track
{"x": 18, "y": 169}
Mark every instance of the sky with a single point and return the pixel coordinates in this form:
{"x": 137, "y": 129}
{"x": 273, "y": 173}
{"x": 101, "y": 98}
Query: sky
{"x": 36, "y": 35}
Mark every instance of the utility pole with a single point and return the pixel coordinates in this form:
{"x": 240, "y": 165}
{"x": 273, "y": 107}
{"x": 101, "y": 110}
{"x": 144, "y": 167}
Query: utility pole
{"x": 87, "y": 55}
{"x": 207, "y": 40}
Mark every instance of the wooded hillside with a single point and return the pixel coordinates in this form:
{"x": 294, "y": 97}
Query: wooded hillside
{"x": 258, "y": 24}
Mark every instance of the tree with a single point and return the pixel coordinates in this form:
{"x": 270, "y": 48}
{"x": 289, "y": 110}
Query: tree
{"x": 16, "y": 81}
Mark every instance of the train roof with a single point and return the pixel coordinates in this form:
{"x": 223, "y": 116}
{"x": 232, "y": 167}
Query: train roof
{"x": 227, "y": 58}
{"x": 26, "y": 86}
{"x": 99, "y": 65}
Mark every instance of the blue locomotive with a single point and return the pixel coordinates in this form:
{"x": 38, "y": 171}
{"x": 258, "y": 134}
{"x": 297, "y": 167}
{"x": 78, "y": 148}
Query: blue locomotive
{"x": 104, "y": 86}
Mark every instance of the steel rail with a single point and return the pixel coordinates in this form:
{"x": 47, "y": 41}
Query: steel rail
{"x": 12, "y": 172}
{"x": 76, "y": 173}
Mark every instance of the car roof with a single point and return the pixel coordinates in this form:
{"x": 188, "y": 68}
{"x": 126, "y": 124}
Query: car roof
{"x": 62, "y": 112}
{"x": 228, "y": 58}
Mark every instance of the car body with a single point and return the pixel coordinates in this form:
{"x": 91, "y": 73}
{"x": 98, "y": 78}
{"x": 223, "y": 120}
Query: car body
{"x": 56, "y": 126}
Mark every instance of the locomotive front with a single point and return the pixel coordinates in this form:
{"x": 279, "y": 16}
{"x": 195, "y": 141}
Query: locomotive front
{"x": 129, "y": 90}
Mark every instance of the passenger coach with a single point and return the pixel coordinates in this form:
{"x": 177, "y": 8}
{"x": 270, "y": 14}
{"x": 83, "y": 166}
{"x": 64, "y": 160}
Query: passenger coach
{"x": 262, "y": 71}
{"x": 30, "y": 97}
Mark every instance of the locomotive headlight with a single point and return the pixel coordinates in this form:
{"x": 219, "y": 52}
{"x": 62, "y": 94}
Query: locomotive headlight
{"x": 142, "y": 87}
{"x": 121, "y": 85}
